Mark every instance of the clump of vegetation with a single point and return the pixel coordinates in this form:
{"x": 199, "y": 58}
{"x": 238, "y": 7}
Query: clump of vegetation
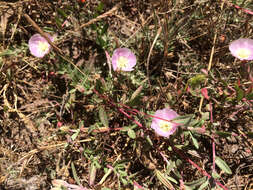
{"x": 126, "y": 95}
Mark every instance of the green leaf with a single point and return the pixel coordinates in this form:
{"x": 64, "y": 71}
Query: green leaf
{"x": 104, "y": 29}
{"x": 170, "y": 166}
{"x": 149, "y": 140}
{"x": 100, "y": 7}
{"x": 163, "y": 179}
{"x": 72, "y": 91}
{"x": 8, "y": 52}
{"x": 172, "y": 179}
{"x": 136, "y": 93}
{"x": 99, "y": 86}
{"x": 103, "y": 117}
{"x": 92, "y": 176}
{"x": 196, "y": 80}
{"x": 196, "y": 183}
{"x": 131, "y": 133}
{"x": 93, "y": 26}
{"x": 100, "y": 41}
{"x": 97, "y": 164}
{"x": 187, "y": 187}
{"x": 178, "y": 162}
{"x": 58, "y": 23}
{"x": 222, "y": 165}
{"x": 194, "y": 140}
{"x": 250, "y": 134}
{"x": 223, "y": 134}
{"x": 204, "y": 185}
{"x": 205, "y": 116}
{"x": 74, "y": 136}
{"x": 62, "y": 13}
{"x": 74, "y": 174}
{"x": 215, "y": 175}
{"x": 185, "y": 119}
{"x": 124, "y": 181}
{"x": 249, "y": 96}
{"x": 239, "y": 93}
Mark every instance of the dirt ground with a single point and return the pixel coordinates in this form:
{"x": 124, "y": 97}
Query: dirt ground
{"x": 53, "y": 124}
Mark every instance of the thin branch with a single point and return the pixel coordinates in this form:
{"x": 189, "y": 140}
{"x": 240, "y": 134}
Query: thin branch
{"x": 106, "y": 14}
{"x": 42, "y": 33}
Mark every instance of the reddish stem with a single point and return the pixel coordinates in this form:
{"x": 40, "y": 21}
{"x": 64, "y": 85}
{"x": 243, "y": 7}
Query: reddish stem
{"x": 213, "y": 144}
{"x": 134, "y": 111}
{"x": 196, "y": 166}
{"x": 243, "y": 9}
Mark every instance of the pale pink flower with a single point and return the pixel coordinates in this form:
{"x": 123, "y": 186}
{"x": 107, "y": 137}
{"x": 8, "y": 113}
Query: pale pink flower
{"x": 162, "y": 127}
{"x": 242, "y": 49}
{"x": 60, "y": 184}
{"x": 39, "y": 46}
{"x": 123, "y": 59}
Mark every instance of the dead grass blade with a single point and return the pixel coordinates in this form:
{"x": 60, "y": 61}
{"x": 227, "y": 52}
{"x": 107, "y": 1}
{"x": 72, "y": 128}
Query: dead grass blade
{"x": 28, "y": 123}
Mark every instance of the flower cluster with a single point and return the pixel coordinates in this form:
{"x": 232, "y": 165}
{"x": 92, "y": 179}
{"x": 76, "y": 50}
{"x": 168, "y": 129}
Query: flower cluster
{"x": 242, "y": 49}
{"x": 162, "y": 127}
{"x": 39, "y": 46}
{"x": 123, "y": 59}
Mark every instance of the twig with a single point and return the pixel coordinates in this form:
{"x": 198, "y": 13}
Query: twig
{"x": 58, "y": 50}
{"x": 106, "y": 14}
{"x": 121, "y": 110}
{"x": 242, "y": 9}
{"x": 134, "y": 111}
{"x": 28, "y": 123}
{"x": 151, "y": 49}
{"x": 196, "y": 166}
{"x": 28, "y": 18}
{"x": 208, "y": 69}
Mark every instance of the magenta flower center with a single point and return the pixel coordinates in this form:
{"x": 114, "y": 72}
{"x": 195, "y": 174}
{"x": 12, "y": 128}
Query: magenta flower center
{"x": 243, "y": 53}
{"x": 165, "y": 126}
{"x": 43, "y": 46}
{"x": 122, "y": 62}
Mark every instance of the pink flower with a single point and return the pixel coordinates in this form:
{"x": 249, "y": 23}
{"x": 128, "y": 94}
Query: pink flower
{"x": 39, "y": 46}
{"x": 164, "y": 128}
{"x": 123, "y": 59}
{"x": 60, "y": 184}
{"x": 242, "y": 49}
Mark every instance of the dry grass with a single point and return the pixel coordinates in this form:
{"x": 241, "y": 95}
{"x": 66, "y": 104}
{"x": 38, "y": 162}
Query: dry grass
{"x": 53, "y": 126}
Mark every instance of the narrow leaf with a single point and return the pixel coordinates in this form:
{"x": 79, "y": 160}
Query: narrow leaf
{"x": 74, "y": 174}
{"x": 185, "y": 119}
{"x": 223, "y": 134}
{"x": 131, "y": 133}
{"x": 239, "y": 93}
{"x": 136, "y": 93}
{"x": 204, "y": 185}
{"x": 222, "y": 165}
{"x": 249, "y": 96}
{"x": 194, "y": 140}
{"x": 205, "y": 116}
{"x": 103, "y": 117}
{"x": 250, "y": 134}
{"x": 163, "y": 179}
{"x": 196, "y": 183}
{"x": 215, "y": 175}
{"x": 196, "y": 80}
{"x": 172, "y": 179}
{"x": 73, "y": 137}
{"x": 92, "y": 176}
